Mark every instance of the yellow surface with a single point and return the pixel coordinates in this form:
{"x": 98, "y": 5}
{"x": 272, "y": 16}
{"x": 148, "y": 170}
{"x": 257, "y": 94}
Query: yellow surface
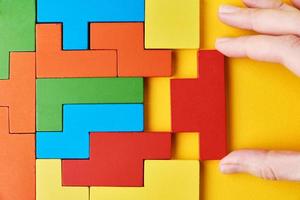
{"x": 48, "y": 183}
{"x": 263, "y": 112}
{"x": 163, "y": 180}
{"x": 185, "y": 146}
{"x": 243, "y": 187}
{"x": 172, "y": 24}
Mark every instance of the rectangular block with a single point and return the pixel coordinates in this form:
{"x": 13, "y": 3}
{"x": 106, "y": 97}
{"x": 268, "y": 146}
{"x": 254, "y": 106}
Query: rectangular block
{"x": 172, "y": 24}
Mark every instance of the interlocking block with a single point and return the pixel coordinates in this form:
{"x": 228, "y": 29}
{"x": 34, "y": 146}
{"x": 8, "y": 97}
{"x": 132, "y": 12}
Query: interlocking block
{"x": 199, "y": 105}
{"x": 17, "y": 30}
{"x": 17, "y": 168}
{"x": 116, "y": 159}
{"x": 172, "y": 24}
{"x": 48, "y": 183}
{"x": 128, "y": 40}
{"x": 80, "y": 120}
{"x": 52, "y": 61}
{"x": 18, "y": 93}
{"x": 76, "y": 15}
{"x": 168, "y": 180}
{"x": 53, "y": 93}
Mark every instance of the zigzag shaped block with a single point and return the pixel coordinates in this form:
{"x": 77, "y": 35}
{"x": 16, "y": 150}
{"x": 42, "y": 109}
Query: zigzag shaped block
{"x": 167, "y": 180}
{"x": 128, "y": 40}
{"x": 18, "y": 93}
{"x": 17, "y": 168}
{"x": 48, "y": 183}
{"x": 199, "y": 105}
{"x": 117, "y": 159}
{"x": 75, "y": 16}
{"x": 79, "y": 120}
{"x": 53, "y": 93}
{"x": 53, "y": 62}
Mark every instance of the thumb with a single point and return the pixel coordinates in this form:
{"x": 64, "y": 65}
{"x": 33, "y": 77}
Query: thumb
{"x": 271, "y": 165}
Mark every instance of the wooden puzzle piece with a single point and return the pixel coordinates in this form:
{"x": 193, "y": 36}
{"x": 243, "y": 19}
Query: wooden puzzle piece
{"x": 75, "y": 16}
{"x": 164, "y": 179}
{"x": 53, "y": 93}
{"x": 172, "y": 24}
{"x": 116, "y": 159}
{"x": 17, "y": 30}
{"x": 49, "y": 186}
{"x": 79, "y": 120}
{"x": 17, "y": 168}
{"x": 18, "y": 93}
{"x": 128, "y": 40}
{"x": 200, "y": 105}
{"x": 53, "y": 62}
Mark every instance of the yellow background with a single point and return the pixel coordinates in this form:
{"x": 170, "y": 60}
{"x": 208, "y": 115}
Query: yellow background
{"x": 263, "y": 112}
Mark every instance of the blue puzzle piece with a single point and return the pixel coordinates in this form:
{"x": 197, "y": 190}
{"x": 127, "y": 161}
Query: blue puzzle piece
{"x": 79, "y": 120}
{"x": 76, "y": 14}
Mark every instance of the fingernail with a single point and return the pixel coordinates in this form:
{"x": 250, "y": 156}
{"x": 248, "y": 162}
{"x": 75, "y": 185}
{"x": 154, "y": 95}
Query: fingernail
{"x": 229, "y": 169}
{"x": 227, "y": 9}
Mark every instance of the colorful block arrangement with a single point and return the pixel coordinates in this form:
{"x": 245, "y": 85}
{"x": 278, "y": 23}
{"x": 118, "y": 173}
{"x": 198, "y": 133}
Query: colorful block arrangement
{"x": 73, "y": 114}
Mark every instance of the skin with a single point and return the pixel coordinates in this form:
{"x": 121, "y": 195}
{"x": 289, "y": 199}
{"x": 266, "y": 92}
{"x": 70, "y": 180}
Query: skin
{"x": 278, "y": 41}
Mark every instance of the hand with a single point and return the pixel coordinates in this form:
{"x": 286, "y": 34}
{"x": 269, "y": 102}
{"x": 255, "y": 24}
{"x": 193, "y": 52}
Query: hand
{"x": 279, "y": 25}
{"x": 279, "y": 42}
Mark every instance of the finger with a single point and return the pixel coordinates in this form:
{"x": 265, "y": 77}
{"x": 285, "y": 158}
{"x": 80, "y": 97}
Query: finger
{"x": 268, "y": 4}
{"x": 278, "y": 49}
{"x": 296, "y": 3}
{"x": 281, "y": 165}
{"x": 267, "y": 21}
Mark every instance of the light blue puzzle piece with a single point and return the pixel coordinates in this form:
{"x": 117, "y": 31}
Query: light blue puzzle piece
{"x": 77, "y": 14}
{"x": 79, "y": 120}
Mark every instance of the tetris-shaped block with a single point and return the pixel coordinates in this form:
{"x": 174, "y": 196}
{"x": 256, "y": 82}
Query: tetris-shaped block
{"x": 48, "y": 183}
{"x": 75, "y": 16}
{"x": 17, "y": 168}
{"x": 199, "y": 105}
{"x": 18, "y": 93}
{"x": 53, "y": 93}
{"x": 128, "y": 40}
{"x": 17, "y": 30}
{"x": 116, "y": 159}
{"x": 52, "y": 61}
{"x": 172, "y": 24}
{"x": 168, "y": 180}
{"x": 80, "y": 120}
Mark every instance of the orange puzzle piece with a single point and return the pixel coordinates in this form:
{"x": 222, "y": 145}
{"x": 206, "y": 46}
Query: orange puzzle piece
{"x": 17, "y": 169}
{"x": 53, "y": 62}
{"x": 128, "y": 40}
{"x": 18, "y": 93}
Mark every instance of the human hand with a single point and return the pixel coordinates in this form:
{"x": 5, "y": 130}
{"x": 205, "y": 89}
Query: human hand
{"x": 279, "y": 42}
{"x": 279, "y": 28}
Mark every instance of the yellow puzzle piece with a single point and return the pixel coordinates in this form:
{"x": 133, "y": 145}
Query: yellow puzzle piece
{"x": 163, "y": 179}
{"x": 49, "y": 184}
{"x": 172, "y": 24}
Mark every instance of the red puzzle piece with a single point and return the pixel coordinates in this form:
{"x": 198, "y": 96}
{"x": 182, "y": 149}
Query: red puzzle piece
{"x": 116, "y": 159}
{"x": 199, "y": 105}
{"x": 128, "y": 40}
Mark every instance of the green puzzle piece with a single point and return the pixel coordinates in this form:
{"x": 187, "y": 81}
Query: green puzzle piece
{"x": 53, "y": 93}
{"x": 17, "y": 30}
